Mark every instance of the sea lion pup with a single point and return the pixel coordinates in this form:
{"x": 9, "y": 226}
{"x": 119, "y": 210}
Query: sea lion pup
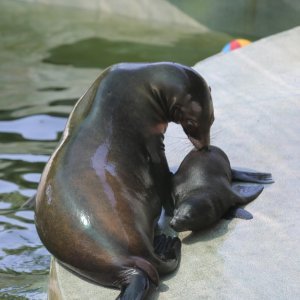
{"x": 102, "y": 191}
{"x": 203, "y": 191}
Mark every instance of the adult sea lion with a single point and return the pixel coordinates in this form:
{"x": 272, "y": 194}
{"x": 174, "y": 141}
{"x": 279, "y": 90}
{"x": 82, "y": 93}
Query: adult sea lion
{"x": 203, "y": 190}
{"x": 103, "y": 188}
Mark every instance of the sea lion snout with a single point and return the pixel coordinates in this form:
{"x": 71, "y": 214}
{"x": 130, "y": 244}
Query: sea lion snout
{"x": 201, "y": 143}
{"x": 178, "y": 224}
{"x": 181, "y": 219}
{"x": 196, "y": 118}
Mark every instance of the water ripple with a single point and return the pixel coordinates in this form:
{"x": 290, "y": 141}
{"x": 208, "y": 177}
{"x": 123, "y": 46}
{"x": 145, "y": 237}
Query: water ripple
{"x": 37, "y": 127}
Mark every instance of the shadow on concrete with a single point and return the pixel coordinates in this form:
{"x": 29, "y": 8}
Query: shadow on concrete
{"x": 163, "y": 287}
{"x": 211, "y": 233}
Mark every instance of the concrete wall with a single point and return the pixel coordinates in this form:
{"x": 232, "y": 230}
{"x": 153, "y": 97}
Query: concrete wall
{"x": 244, "y": 18}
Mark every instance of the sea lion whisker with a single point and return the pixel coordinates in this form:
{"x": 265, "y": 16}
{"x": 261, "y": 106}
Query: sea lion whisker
{"x": 177, "y": 137}
{"x": 181, "y": 148}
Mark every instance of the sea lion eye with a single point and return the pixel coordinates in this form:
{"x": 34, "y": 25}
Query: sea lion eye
{"x": 177, "y": 114}
{"x": 191, "y": 123}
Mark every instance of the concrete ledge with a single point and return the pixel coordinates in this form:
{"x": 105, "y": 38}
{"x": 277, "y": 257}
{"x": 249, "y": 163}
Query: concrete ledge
{"x": 256, "y": 93}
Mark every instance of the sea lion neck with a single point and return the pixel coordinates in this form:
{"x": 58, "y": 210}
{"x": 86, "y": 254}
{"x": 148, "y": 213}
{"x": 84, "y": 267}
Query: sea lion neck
{"x": 169, "y": 95}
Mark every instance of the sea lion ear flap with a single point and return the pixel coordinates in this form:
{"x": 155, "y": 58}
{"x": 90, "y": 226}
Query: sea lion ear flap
{"x": 209, "y": 88}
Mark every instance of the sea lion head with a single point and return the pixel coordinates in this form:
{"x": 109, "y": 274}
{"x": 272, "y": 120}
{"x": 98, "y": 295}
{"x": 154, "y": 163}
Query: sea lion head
{"x": 193, "y": 213}
{"x": 196, "y": 186}
{"x": 194, "y": 111}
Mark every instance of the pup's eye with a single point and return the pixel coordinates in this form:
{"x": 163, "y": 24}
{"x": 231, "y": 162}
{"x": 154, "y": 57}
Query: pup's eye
{"x": 191, "y": 123}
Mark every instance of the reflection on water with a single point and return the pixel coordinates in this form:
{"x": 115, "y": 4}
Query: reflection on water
{"x": 103, "y": 53}
{"x": 24, "y": 262}
{"x": 38, "y": 127}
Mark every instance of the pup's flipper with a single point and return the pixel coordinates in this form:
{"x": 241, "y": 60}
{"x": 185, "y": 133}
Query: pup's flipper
{"x": 238, "y": 212}
{"x": 249, "y": 176}
{"x": 247, "y": 193}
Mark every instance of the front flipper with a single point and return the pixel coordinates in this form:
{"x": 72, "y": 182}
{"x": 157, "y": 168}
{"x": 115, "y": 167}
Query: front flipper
{"x": 238, "y": 212}
{"x": 248, "y": 176}
{"x": 168, "y": 251}
{"x": 138, "y": 288}
{"x": 242, "y": 194}
{"x": 167, "y": 248}
{"x": 247, "y": 193}
{"x": 159, "y": 169}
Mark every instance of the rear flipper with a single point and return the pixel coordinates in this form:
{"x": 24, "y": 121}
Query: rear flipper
{"x": 243, "y": 194}
{"x": 249, "y": 176}
{"x": 247, "y": 193}
{"x": 238, "y": 212}
{"x": 167, "y": 248}
{"x": 138, "y": 288}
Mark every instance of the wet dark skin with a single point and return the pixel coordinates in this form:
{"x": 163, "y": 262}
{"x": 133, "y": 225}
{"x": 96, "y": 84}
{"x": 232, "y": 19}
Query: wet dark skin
{"x": 103, "y": 189}
{"x": 203, "y": 191}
